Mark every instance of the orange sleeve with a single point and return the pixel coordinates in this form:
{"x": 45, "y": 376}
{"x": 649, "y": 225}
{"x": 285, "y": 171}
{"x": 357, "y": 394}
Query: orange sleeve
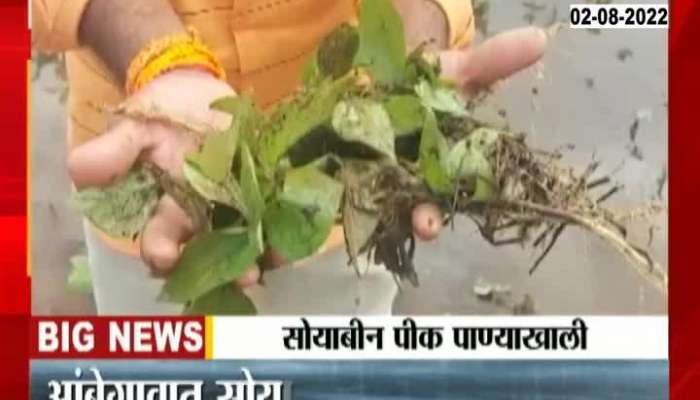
{"x": 55, "y": 23}
{"x": 460, "y": 21}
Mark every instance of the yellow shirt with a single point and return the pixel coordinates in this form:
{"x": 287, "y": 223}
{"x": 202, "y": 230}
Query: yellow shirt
{"x": 262, "y": 44}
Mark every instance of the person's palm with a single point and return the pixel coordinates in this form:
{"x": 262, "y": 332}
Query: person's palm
{"x": 185, "y": 95}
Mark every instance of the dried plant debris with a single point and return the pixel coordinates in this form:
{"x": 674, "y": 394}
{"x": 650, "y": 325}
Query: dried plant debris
{"x": 554, "y": 17}
{"x": 526, "y": 306}
{"x": 624, "y": 53}
{"x": 123, "y": 208}
{"x": 634, "y": 129}
{"x": 500, "y": 295}
{"x": 533, "y": 9}
{"x": 661, "y": 182}
{"x": 373, "y": 133}
{"x": 481, "y": 15}
{"x": 40, "y": 61}
{"x": 488, "y": 290}
{"x": 635, "y": 151}
{"x": 547, "y": 16}
{"x": 590, "y": 82}
{"x": 79, "y": 279}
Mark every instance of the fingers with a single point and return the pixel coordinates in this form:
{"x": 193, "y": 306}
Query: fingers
{"x": 103, "y": 159}
{"x": 249, "y": 278}
{"x": 169, "y": 229}
{"x": 164, "y": 235}
{"x": 427, "y": 221}
{"x": 270, "y": 260}
{"x": 495, "y": 59}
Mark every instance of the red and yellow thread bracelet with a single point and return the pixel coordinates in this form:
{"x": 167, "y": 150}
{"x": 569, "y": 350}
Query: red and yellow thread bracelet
{"x": 169, "y": 53}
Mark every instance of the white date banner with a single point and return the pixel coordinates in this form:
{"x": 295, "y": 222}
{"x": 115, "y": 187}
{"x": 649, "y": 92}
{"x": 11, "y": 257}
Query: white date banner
{"x": 618, "y": 16}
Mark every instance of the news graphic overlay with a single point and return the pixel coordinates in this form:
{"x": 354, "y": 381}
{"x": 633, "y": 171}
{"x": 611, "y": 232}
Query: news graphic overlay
{"x": 619, "y": 16}
{"x": 371, "y": 337}
{"x": 93, "y": 383}
{"x": 227, "y": 358}
{"x": 127, "y": 337}
{"x": 346, "y": 380}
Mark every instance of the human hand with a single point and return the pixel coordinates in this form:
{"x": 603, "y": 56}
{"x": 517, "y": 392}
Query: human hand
{"x": 186, "y": 94}
{"x": 476, "y": 68}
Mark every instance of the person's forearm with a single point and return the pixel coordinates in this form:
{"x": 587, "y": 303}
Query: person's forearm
{"x": 424, "y": 23}
{"x": 118, "y": 29}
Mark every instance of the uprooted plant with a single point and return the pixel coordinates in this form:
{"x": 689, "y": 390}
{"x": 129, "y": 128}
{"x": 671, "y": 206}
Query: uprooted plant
{"x": 373, "y": 133}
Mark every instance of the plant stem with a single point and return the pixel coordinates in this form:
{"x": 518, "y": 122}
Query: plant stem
{"x": 652, "y": 271}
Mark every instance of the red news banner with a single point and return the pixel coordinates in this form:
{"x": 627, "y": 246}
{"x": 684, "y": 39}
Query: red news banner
{"x": 118, "y": 338}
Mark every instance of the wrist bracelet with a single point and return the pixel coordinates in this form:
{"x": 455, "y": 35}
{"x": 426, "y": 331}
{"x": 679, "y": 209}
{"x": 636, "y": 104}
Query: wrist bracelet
{"x": 168, "y": 53}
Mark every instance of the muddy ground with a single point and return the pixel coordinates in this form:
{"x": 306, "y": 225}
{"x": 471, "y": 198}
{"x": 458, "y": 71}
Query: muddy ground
{"x": 589, "y": 89}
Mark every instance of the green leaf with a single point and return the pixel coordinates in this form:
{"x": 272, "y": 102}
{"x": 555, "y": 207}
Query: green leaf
{"x": 382, "y": 44}
{"x": 433, "y": 156}
{"x": 228, "y": 193}
{"x": 250, "y": 188}
{"x": 209, "y": 260}
{"x": 246, "y": 119}
{"x": 422, "y": 66}
{"x": 215, "y": 155}
{"x": 405, "y": 112}
{"x": 307, "y": 186}
{"x": 310, "y": 73}
{"x": 79, "y": 278}
{"x": 252, "y": 197}
{"x": 123, "y": 208}
{"x": 484, "y": 184}
{"x": 295, "y": 232}
{"x": 358, "y": 227}
{"x": 337, "y": 51}
{"x": 366, "y": 122}
{"x": 294, "y": 119}
{"x": 483, "y": 139}
{"x": 237, "y": 106}
{"x": 441, "y": 98}
{"x": 299, "y": 222}
{"x": 361, "y": 214}
{"x": 469, "y": 157}
{"x": 457, "y": 159}
{"x": 224, "y": 300}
